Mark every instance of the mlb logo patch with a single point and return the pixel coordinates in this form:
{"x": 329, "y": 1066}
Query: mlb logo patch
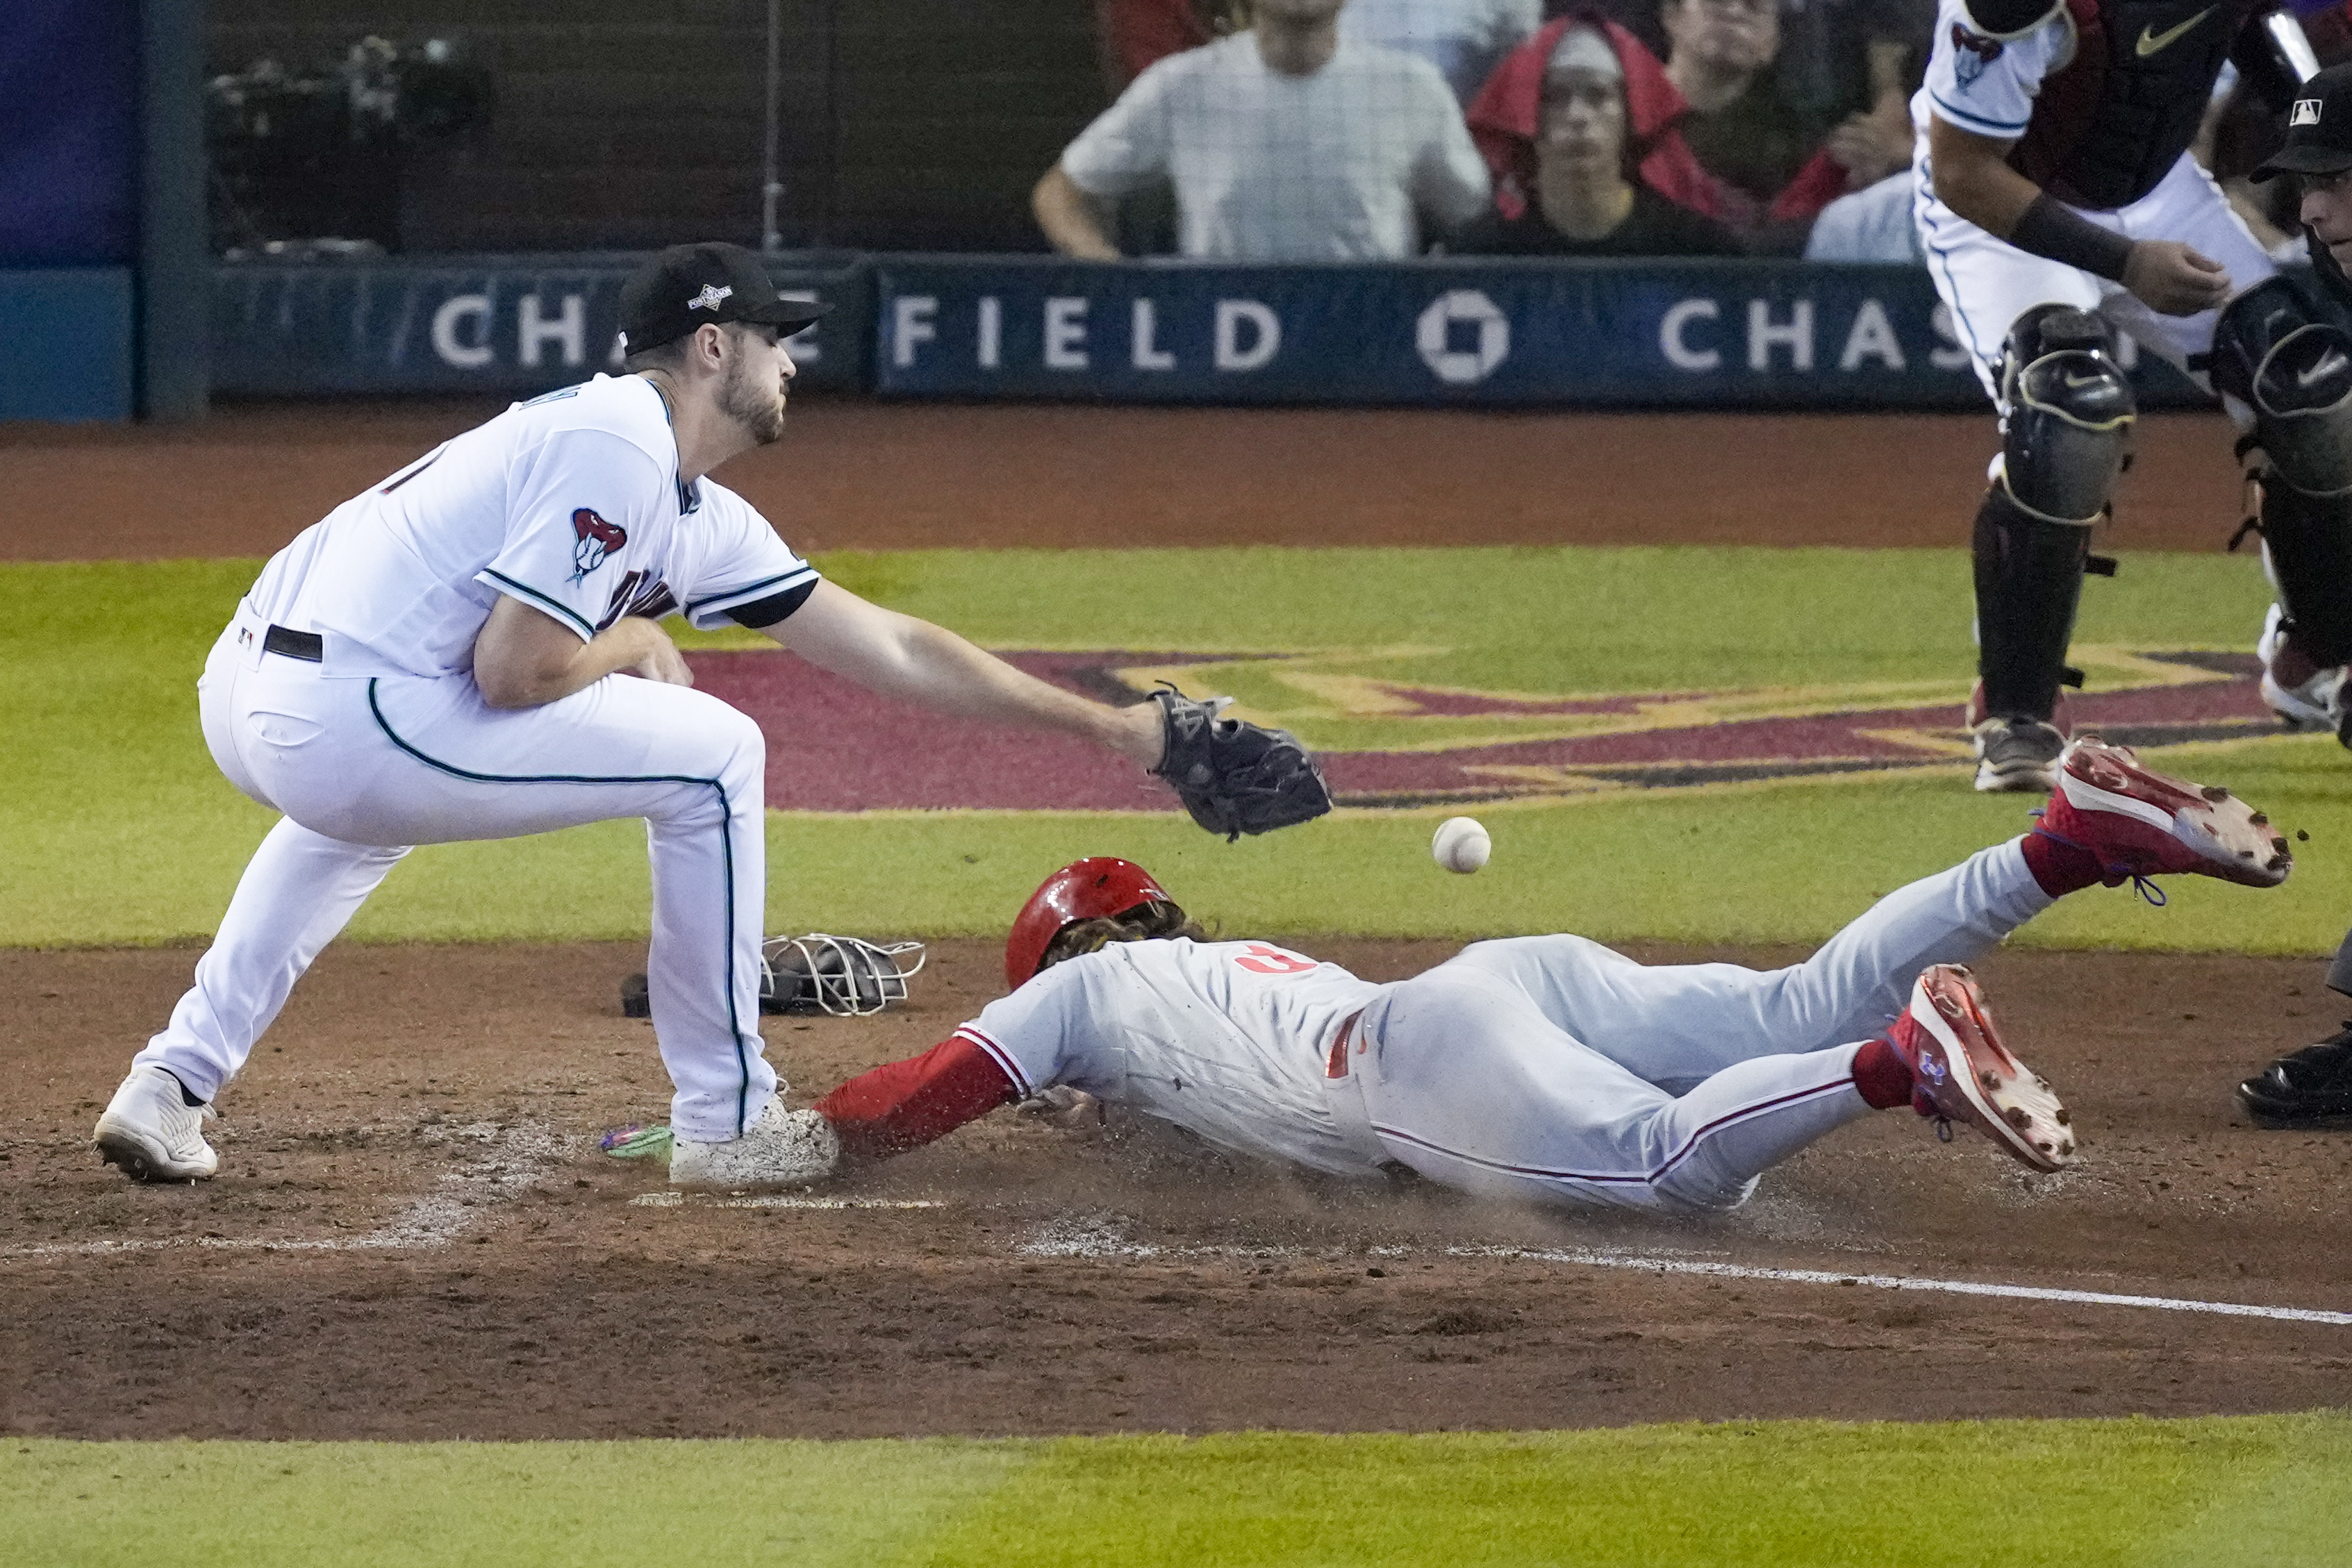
{"x": 2304, "y": 112}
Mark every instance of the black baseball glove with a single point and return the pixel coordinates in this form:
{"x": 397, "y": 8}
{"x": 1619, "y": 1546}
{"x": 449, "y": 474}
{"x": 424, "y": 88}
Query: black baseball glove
{"x": 1236, "y": 778}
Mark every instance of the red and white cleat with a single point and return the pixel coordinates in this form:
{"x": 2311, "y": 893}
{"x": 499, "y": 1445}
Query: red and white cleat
{"x": 1961, "y": 1072}
{"x": 2140, "y": 822}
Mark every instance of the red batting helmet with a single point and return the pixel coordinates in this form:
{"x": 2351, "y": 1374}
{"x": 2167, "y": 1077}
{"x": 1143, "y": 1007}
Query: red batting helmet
{"x": 1096, "y": 888}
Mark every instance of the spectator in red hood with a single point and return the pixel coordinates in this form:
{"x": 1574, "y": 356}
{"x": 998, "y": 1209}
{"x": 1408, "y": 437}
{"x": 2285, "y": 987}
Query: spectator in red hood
{"x": 1504, "y": 121}
{"x": 1583, "y": 197}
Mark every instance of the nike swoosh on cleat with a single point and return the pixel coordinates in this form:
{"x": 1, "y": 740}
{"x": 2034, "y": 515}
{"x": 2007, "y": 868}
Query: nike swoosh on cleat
{"x": 2150, "y": 41}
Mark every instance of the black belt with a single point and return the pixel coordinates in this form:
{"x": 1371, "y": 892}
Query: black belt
{"x": 307, "y": 646}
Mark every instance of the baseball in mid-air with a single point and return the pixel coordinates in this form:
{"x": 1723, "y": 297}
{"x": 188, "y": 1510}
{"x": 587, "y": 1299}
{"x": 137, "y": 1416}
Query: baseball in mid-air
{"x": 1461, "y": 844}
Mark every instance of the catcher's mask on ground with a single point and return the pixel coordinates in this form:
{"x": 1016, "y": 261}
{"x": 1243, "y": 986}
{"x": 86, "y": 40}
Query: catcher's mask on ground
{"x": 1100, "y": 887}
{"x": 846, "y": 975}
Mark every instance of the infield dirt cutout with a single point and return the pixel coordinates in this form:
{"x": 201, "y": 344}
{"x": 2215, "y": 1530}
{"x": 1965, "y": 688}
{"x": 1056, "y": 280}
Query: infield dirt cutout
{"x": 412, "y": 1236}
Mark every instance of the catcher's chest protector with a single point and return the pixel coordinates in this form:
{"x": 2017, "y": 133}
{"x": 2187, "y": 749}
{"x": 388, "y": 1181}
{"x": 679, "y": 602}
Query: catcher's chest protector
{"x": 2109, "y": 123}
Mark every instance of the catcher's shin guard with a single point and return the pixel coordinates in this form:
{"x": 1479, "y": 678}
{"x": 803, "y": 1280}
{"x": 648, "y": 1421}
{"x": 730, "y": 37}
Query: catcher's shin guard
{"x": 2286, "y": 356}
{"x": 2029, "y": 573}
{"x": 2066, "y": 418}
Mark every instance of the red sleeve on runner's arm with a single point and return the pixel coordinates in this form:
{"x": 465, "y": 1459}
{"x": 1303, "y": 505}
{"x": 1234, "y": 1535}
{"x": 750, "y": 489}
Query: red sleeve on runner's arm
{"x": 905, "y": 1104}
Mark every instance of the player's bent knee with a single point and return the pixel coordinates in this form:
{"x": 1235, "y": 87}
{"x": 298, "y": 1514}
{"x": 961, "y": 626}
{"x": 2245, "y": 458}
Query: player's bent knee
{"x": 2069, "y": 413}
{"x": 2288, "y": 358}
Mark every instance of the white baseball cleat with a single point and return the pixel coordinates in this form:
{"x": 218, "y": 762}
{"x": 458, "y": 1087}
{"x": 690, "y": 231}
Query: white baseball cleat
{"x": 782, "y": 1148}
{"x": 2305, "y": 697}
{"x": 151, "y": 1131}
{"x": 1960, "y": 1071}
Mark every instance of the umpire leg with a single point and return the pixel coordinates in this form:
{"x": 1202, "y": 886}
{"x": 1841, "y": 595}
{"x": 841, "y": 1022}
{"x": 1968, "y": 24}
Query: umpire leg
{"x": 2283, "y": 354}
{"x": 2311, "y": 1087}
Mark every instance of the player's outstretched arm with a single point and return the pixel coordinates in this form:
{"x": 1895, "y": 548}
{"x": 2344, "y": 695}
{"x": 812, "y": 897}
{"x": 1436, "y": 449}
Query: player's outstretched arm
{"x": 900, "y": 656}
{"x": 1973, "y": 178}
{"x": 905, "y": 1104}
{"x": 526, "y": 658}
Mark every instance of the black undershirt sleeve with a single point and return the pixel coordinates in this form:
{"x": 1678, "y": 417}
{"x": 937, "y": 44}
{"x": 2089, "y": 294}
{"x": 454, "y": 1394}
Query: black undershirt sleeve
{"x": 767, "y": 612}
{"x": 2050, "y": 228}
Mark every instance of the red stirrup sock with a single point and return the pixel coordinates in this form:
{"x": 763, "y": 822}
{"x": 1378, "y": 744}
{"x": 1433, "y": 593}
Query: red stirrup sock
{"x": 2059, "y": 867}
{"x": 1881, "y": 1077}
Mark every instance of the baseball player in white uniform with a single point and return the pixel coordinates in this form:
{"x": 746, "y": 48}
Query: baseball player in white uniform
{"x": 1545, "y": 1068}
{"x": 471, "y": 650}
{"x": 2057, "y": 199}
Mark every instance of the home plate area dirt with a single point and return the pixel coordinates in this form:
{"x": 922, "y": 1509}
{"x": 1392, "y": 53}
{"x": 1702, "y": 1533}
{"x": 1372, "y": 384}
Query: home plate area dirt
{"x": 414, "y": 1236}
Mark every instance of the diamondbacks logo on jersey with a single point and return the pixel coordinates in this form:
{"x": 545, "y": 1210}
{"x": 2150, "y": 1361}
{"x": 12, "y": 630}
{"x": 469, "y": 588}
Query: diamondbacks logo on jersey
{"x": 1972, "y": 52}
{"x": 595, "y": 540}
{"x": 2304, "y": 112}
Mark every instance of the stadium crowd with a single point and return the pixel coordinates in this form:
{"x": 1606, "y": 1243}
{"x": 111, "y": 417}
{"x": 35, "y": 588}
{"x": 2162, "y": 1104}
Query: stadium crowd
{"x": 1264, "y": 130}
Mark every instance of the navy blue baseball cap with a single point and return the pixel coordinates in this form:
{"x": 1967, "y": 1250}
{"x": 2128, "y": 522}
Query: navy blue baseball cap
{"x": 689, "y": 286}
{"x": 2318, "y": 128}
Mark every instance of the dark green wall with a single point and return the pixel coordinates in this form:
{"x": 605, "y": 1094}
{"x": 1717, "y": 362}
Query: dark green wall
{"x": 907, "y": 124}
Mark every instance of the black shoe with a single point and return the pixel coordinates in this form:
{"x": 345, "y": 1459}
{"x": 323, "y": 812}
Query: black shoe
{"x": 2310, "y": 1088}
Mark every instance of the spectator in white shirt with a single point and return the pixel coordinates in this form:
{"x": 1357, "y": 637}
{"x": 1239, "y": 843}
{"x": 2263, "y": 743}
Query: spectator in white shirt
{"x": 1465, "y": 39}
{"x": 1285, "y": 142}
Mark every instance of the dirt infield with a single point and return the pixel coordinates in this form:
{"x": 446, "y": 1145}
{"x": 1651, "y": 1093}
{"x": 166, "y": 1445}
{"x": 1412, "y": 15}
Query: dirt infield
{"x": 414, "y": 1238}
{"x": 854, "y": 475}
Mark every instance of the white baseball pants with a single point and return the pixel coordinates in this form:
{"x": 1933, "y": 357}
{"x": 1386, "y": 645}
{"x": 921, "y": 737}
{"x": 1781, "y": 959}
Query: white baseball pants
{"x": 363, "y": 767}
{"x": 1550, "y": 1068}
{"x": 1988, "y": 283}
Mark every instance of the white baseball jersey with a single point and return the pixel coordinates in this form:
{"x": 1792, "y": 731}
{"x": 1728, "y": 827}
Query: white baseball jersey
{"x": 1544, "y": 1068}
{"x": 1988, "y": 86}
{"x": 1231, "y": 1040}
{"x": 569, "y": 503}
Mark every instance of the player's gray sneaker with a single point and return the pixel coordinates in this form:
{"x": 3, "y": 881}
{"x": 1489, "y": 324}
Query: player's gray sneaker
{"x": 2017, "y": 753}
{"x": 2304, "y": 695}
{"x": 151, "y": 1131}
{"x": 782, "y": 1148}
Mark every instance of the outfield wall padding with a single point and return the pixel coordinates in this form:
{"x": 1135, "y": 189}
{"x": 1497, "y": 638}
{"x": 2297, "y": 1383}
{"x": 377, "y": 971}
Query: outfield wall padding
{"x": 1469, "y": 332}
{"x": 520, "y": 324}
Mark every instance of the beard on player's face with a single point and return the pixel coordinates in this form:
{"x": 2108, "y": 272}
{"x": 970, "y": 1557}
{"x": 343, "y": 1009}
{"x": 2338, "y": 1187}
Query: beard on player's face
{"x": 752, "y": 395}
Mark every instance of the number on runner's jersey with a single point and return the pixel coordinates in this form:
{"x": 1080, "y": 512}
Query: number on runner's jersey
{"x": 1261, "y": 959}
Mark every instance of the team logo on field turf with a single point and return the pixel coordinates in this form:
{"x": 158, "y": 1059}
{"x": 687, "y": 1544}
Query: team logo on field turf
{"x": 1392, "y": 742}
{"x": 593, "y": 539}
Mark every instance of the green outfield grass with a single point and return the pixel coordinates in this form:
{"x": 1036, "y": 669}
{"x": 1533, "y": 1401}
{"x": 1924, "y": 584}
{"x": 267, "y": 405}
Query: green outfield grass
{"x": 2271, "y": 1490}
{"x": 122, "y": 831}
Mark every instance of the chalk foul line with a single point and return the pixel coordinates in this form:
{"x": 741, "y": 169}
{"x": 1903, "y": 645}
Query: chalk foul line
{"x": 1667, "y": 1263}
{"x": 1101, "y": 1238}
